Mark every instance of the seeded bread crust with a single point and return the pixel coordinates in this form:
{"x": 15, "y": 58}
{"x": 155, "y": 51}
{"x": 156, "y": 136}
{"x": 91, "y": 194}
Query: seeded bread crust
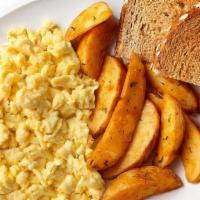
{"x": 179, "y": 57}
{"x": 145, "y": 25}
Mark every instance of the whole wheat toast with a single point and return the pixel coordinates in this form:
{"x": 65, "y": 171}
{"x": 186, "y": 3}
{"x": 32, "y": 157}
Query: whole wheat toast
{"x": 144, "y": 25}
{"x": 179, "y": 57}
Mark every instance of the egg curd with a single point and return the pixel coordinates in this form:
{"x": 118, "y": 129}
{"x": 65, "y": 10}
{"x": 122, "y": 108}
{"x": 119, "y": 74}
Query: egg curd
{"x": 44, "y": 106}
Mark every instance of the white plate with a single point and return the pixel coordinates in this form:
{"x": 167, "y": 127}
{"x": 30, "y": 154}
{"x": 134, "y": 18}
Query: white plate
{"x": 62, "y": 12}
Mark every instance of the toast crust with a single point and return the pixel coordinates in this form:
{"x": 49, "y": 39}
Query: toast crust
{"x": 135, "y": 32}
{"x": 188, "y": 71}
{"x": 119, "y": 43}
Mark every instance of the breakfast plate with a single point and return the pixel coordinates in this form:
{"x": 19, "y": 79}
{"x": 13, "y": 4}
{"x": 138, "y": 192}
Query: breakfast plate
{"x": 33, "y": 13}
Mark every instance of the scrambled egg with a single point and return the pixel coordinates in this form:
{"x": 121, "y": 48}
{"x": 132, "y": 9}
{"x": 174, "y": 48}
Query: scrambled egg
{"x": 45, "y": 104}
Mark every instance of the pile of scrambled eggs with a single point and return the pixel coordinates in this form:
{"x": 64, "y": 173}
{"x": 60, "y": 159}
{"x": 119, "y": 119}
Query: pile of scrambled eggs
{"x": 44, "y": 106}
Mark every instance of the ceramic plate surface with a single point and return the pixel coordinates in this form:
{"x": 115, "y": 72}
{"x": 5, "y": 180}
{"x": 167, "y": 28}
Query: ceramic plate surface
{"x": 34, "y": 13}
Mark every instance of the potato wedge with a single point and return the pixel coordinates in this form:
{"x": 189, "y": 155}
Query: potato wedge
{"x": 157, "y": 100}
{"x": 119, "y": 132}
{"x": 142, "y": 144}
{"x": 88, "y": 19}
{"x": 93, "y": 141}
{"x": 172, "y": 132}
{"x": 190, "y": 150}
{"x": 110, "y": 86}
{"x": 190, "y": 153}
{"x": 140, "y": 183}
{"x": 94, "y": 46}
{"x": 180, "y": 91}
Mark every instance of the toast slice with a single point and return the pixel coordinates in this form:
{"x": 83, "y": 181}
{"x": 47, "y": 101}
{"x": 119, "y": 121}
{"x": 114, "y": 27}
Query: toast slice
{"x": 181, "y": 51}
{"x": 145, "y": 24}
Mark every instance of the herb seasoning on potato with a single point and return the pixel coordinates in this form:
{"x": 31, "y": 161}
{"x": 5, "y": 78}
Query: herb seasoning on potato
{"x": 118, "y": 134}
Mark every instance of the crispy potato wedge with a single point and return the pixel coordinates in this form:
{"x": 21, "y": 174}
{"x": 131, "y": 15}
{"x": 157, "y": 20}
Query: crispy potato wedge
{"x": 180, "y": 91}
{"x": 140, "y": 183}
{"x": 172, "y": 132}
{"x": 190, "y": 153}
{"x": 123, "y": 122}
{"x": 93, "y": 141}
{"x": 190, "y": 150}
{"x": 157, "y": 100}
{"x": 89, "y": 18}
{"x": 110, "y": 86}
{"x": 93, "y": 47}
{"x": 143, "y": 142}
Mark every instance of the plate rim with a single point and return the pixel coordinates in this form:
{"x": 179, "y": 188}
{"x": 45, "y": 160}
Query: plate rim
{"x": 15, "y": 6}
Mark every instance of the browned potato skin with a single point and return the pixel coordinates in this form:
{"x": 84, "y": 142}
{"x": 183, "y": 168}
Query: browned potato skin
{"x": 89, "y": 18}
{"x": 140, "y": 183}
{"x": 143, "y": 142}
{"x": 157, "y": 100}
{"x": 94, "y": 141}
{"x": 110, "y": 86}
{"x": 93, "y": 47}
{"x": 119, "y": 132}
{"x": 172, "y": 132}
{"x": 180, "y": 91}
{"x": 190, "y": 153}
{"x": 190, "y": 150}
